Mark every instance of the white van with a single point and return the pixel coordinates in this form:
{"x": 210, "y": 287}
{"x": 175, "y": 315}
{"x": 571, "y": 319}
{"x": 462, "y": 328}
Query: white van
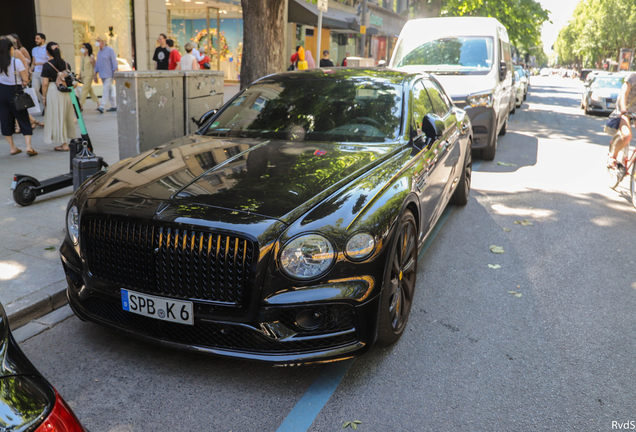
{"x": 470, "y": 56}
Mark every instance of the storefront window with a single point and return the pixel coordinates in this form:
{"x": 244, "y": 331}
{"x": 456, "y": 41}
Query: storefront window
{"x": 215, "y": 26}
{"x": 112, "y": 20}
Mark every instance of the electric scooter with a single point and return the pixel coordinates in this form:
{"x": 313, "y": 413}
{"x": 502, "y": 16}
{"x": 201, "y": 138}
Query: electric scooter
{"x": 26, "y": 188}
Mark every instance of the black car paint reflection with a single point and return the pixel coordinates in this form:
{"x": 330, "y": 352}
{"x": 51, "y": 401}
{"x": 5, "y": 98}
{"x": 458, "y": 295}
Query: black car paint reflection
{"x": 331, "y": 152}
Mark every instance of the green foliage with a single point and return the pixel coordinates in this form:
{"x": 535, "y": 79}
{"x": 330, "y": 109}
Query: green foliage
{"x": 597, "y": 31}
{"x": 522, "y": 18}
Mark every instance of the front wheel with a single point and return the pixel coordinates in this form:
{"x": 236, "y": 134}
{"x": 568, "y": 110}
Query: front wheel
{"x": 632, "y": 184}
{"x": 399, "y": 282}
{"x": 460, "y": 196}
{"x": 24, "y": 193}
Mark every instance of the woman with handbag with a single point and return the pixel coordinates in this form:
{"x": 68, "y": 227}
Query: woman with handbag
{"x": 59, "y": 124}
{"x": 11, "y": 98}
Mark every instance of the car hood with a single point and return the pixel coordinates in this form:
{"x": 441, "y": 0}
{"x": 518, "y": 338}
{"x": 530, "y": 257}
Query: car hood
{"x": 605, "y": 92}
{"x": 460, "y": 86}
{"x": 264, "y": 177}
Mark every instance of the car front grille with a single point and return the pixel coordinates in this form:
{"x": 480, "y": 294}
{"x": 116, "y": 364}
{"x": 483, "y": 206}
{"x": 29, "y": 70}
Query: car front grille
{"x": 170, "y": 261}
{"x": 223, "y": 335}
{"x": 610, "y": 100}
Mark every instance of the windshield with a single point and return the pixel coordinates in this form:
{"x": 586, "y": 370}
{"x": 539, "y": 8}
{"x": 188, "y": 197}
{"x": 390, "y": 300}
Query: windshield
{"x": 458, "y": 55}
{"x": 354, "y": 110}
{"x": 616, "y": 82}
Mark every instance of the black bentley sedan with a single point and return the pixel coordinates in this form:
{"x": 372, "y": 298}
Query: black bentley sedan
{"x": 286, "y": 229}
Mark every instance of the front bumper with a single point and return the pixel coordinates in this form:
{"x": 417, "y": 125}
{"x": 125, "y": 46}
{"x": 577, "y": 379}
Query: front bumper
{"x": 484, "y": 123}
{"x": 273, "y": 336}
{"x": 605, "y": 105}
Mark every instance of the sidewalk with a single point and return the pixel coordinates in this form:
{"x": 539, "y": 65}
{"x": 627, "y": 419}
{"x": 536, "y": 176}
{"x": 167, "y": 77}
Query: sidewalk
{"x": 32, "y": 280}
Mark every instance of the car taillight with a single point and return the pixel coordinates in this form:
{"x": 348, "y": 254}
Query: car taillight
{"x": 61, "y": 419}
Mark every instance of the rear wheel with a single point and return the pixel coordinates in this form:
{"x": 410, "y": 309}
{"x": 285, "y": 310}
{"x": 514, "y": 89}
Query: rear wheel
{"x": 24, "y": 193}
{"x": 399, "y": 282}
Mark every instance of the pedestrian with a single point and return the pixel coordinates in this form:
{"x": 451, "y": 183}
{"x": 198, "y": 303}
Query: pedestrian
{"x": 188, "y": 61}
{"x": 324, "y": 61}
{"x": 344, "y": 60}
{"x": 87, "y": 72}
{"x": 59, "y": 126}
{"x": 294, "y": 60}
{"x": 311, "y": 62}
{"x": 105, "y": 67}
{"x": 17, "y": 44}
{"x": 38, "y": 58}
{"x": 175, "y": 56}
{"x": 13, "y": 74}
{"x": 204, "y": 60}
{"x": 161, "y": 53}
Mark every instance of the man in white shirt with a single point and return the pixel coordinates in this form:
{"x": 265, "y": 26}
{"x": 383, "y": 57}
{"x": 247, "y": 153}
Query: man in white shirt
{"x": 38, "y": 58}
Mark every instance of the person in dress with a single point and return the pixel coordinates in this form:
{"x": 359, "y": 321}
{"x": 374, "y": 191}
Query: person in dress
{"x": 87, "y": 71}
{"x": 59, "y": 125}
{"x": 188, "y": 61}
{"x": 13, "y": 74}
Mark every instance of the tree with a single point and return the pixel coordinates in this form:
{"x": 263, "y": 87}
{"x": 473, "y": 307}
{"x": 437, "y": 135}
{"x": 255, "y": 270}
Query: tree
{"x": 263, "y": 39}
{"x": 522, "y": 18}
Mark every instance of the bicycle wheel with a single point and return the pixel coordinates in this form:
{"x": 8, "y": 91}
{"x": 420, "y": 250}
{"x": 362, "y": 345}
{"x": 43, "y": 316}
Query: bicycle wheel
{"x": 632, "y": 184}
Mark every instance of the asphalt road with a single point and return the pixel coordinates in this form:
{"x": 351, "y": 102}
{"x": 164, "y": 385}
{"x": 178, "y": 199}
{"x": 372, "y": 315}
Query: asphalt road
{"x": 475, "y": 357}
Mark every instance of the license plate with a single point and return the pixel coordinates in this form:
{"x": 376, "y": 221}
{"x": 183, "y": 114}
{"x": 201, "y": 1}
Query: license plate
{"x": 160, "y": 308}
{"x": 611, "y": 105}
{"x": 13, "y": 184}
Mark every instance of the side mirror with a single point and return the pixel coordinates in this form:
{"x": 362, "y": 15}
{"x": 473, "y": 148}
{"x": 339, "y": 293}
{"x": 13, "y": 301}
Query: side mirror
{"x": 205, "y": 117}
{"x": 503, "y": 70}
{"x": 433, "y": 126}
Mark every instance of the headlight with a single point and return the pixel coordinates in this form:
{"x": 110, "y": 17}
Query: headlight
{"x": 485, "y": 100}
{"x": 596, "y": 97}
{"x": 360, "y": 246}
{"x": 72, "y": 224}
{"x": 307, "y": 257}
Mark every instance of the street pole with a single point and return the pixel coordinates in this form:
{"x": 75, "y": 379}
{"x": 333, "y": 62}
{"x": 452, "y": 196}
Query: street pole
{"x": 364, "y": 24}
{"x": 318, "y": 52}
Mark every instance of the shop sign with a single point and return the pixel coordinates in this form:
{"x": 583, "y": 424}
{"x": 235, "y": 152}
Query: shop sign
{"x": 376, "y": 20}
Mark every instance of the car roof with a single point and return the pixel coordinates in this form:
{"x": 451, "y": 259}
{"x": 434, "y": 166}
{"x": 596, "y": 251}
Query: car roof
{"x": 379, "y": 74}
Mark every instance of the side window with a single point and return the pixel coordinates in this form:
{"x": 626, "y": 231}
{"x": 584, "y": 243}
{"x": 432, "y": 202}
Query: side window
{"x": 421, "y": 105}
{"x": 440, "y": 107}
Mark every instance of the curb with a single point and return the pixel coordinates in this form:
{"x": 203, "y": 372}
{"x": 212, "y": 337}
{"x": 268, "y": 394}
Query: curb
{"x": 36, "y": 304}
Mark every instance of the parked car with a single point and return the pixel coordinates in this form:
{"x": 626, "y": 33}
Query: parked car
{"x": 524, "y": 78}
{"x": 287, "y": 229}
{"x": 470, "y": 56}
{"x": 601, "y": 93}
{"x": 519, "y": 90}
{"x": 27, "y": 401}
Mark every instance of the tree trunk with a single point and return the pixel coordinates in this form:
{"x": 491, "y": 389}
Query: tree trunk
{"x": 430, "y": 8}
{"x": 263, "y": 39}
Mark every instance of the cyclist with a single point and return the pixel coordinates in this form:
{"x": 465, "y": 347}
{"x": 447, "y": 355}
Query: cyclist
{"x": 626, "y": 102}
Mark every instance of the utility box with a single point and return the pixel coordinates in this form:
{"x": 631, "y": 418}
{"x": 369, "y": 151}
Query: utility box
{"x": 154, "y": 107}
{"x": 360, "y": 62}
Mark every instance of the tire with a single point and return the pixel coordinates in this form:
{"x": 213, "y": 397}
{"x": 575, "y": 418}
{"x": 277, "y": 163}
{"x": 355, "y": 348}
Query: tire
{"x": 399, "y": 282}
{"x": 632, "y": 184}
{"x": 514, "y": 109}
{"x": 24, "y": 194}
{"x": 488, "y": 153}
{"x": 460, "y": 196}
{"x": 504, "y": 128}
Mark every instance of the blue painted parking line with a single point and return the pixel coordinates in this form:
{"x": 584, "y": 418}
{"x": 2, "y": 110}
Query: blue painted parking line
{"x": 306, "y": 410}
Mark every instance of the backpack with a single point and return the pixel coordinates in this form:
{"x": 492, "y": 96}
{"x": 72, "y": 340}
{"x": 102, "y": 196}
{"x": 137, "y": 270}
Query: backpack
{"x": 63, "y": 80}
